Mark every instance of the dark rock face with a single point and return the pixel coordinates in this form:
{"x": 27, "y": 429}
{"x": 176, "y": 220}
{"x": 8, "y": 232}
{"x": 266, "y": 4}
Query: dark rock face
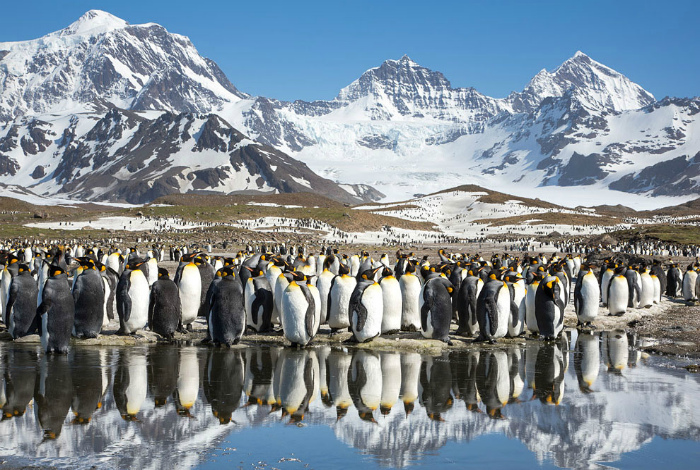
{"x": 670, "y": 178}
{"x": 583, "y": 170}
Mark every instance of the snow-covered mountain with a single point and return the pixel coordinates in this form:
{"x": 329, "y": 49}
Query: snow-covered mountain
{"x": 400, "y": 127}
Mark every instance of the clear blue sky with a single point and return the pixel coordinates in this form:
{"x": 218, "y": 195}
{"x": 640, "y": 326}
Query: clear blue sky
{"x": 310, "y": 49}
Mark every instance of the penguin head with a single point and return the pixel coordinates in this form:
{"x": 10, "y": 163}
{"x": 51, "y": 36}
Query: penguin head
{"x": 226, "y": 272}
{"x": 343, "y": 270}
{"x": 298, "y": 276}
{"x": 23, "y": 268}
{"x": 387, "y": 272}
{"x": 56, "y": 271}
{"x": 163, "y": 273}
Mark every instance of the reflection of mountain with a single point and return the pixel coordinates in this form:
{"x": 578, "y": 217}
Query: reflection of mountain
{"x": 608, "y": 404}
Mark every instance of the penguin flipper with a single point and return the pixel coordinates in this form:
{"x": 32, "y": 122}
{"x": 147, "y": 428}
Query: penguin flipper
{"x": 424, "y": 316}
{"x": 14, "y": 292}
{"x": 492, "y": 314}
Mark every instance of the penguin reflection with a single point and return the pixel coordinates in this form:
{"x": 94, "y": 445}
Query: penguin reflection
{"x": 516, "y": 372}
{"x": 410, "y": 375}
{"x": 163, "y": 363}
{"x": 52, "y": 394}
{"x": 223, "y": 382}
{"x": 259, "y": 372}
{"x": 130, "y": 382}
{"x": 615, "y": 350}
{"x": 298, "y": 382}
{"x": 18, "y": 382}
{"x": 391, "y": 381}
{"x": 587, "y": 360}
{"x": 365, "y": 383}
{"x": 88, "y": 384}
{"x": 464, "y": 368}
{"x": 436, "y": 382}
{"x": 493, "y": 381}
{"x": 187, "y": 381}
{"x": 322, "y": 354}
{"x": 338, "y": 390}
{"x": 549, "y": 376}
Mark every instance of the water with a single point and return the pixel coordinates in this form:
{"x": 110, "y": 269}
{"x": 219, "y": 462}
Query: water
{"x": 588, "y": 401}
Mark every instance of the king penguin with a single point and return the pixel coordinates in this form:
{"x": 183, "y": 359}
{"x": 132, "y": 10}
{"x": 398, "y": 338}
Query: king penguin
{"x": 226, "y": 319}
{"x": 132, "y": 299}
{"x": 190, "y": 290}
{"x": 391, "y": 295}
{"x": 549, "y": 307}
{"x": 339, "y": 299}
{"x": 21, "y": 304}
{"x": 366, "y": 307}
{"x": 410, "y": 294}
{"x": 57, "y": 312}
{"x": 299, "y": 321}
{"x": 89, "y": 298}
{"x": 258, "y": 303}
{"x": 493, "y": 309}
{"x": 436, "y": 309}
{"x": 618, "y": 293}
{"x": 586, "y": 296}
{"x": 164, "y": 306}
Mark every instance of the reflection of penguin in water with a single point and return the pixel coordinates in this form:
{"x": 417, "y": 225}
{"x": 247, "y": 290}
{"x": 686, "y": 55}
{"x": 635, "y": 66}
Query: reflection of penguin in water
{"x": 87, "y": 385}
{"x": 516, "y": 371}
{"x": 493, "y": 381}
{"x": 549, "y": 378}
{"x": 436, "y": 382}
{"x": 259, "y": 369}
{"x": 21, "y": 304}
{"x": 226, "y": 319}
{"x": 391, "y": 381}
{"x": 338, "y": 391}
{"x": 223, "y": 383}
{"x": 53, "y": 394}
{"x": 365, "y": 383}
{"x": 410, "y": 375}
{"x": 615, "y": 350}
{"x": 436, "y": 309}
{"x": 19, "y": 378}
{"x": 586, "y": 360}
{"x": 130, "y": 384}
{"x": 164, "y": 306}
{"x": 187, "y": 381}
{"x": 464, "y": 369}
{"x": 298, "y": 382}
{"x": 56, "y": 312}
{"x": 163, "y": 363}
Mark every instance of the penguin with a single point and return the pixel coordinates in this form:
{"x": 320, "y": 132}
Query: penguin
{"x": 615, "y": 350}
{"x": 618, "y": 293}
{"x": 549, "y": 307}
{"x": 56, "y": 312}
{"x": 258, "y": 303}
{"x": 324, "y": 283}
{"x": 634, "y": 282}
{"x": 436, "y": 385}
{"x": 530, "y": 295}
{"x": 493, "y": 309}
{"x": 410, "y": 376}
{"x": 190, "y": 290}
{"x": 338, "y": 390}
{"x": 206, "y": 276}
{"x": 690, "y": 278}
{"x": 436, "y": 309}
{"x": 366, "y": 307}
{"x": 342, "y": 288}
{"x": 8, "y": 273}
{"x": 466, "y": 304}
{"x": 133, "y": 296}
{"x": 516, "y": 284}
{"x": 410, "y": 295}
{"x": 298, "y": 382}
{"x": 19, "y": 376}
{"x": 392, "y": 303}
{"x": 21, "y": 304}
{"x": 549, "y": 380}
{"x": 273, "y": 273}
{"x": 111, "y": 279}
{"x": 226, "y": 319}
{"x": 646, "y": 299}
{"x": 152, "y": 264}
{"x": 464, "y": 371}
{"x": 53, "y": 391}
{"x": 299, "y": 321}
{"x": 608, "y": 274}
{"x": 365, "y": 382}
{"x": 88, "y": 382}
{"x": 258, "y": 376}
{"x": 89, "y": 299}
{"x": 656, "y": 283}
{"x": 673, "y": 281}
{"x": 586, "y": 296}
{"x": 164, "y": 306}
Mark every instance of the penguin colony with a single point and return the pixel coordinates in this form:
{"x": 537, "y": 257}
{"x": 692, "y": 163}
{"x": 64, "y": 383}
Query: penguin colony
{"x": 287, "y": 380}
{"x": 63, "y": 291}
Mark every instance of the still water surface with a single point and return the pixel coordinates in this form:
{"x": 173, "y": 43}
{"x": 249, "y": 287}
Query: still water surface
{"x": 588, "y": 401}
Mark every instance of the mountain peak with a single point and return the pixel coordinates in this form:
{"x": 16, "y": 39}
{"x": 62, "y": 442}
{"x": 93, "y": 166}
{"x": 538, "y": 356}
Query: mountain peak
{"x": 94, "y": 22}
{"x": 406, "y": 60}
